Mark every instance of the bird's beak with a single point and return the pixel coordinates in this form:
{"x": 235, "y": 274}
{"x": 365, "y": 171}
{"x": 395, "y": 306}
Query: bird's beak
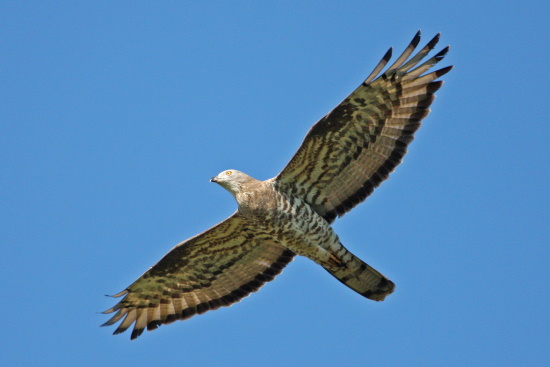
{"x": 213, "y": 179}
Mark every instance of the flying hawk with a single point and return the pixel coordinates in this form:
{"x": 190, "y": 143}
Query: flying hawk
{"x": 343, "y": 157}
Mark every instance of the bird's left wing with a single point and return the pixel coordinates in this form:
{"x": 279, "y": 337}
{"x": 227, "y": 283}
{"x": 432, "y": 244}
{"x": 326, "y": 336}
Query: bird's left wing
{"x": 213, "y": 269}
{"x": 351, "y": 150}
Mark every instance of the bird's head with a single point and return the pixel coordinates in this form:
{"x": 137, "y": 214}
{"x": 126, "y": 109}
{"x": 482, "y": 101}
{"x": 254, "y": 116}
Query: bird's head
{"x": 231, "y": 180}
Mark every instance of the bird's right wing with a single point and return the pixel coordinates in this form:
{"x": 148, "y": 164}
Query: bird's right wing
{"x": 213, "y": 269}
{"x": 351, "y": 150}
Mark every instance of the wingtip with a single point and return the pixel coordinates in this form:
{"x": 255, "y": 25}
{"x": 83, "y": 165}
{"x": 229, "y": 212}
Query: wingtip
{"x": 387, "y": 55}
{"x": 119, "y": 331}
{"x": 416, "y": 39}
{"x": 118, "y": 295}
{"x": 444, "y": 70}
{"x": 111, "y": 310}
{"x": 441, "y": 54}
{"x": 434, "y": 86}
{"x": 433, "y": 41}
{"x": 136, "y": 333}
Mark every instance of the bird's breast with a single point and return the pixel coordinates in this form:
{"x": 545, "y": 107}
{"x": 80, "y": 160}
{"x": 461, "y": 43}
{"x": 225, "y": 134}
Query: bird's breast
{"x": 274, "y": 209}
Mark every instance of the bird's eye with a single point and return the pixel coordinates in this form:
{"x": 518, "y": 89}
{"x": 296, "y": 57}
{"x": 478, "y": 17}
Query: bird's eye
{"x": 228, "y": 173}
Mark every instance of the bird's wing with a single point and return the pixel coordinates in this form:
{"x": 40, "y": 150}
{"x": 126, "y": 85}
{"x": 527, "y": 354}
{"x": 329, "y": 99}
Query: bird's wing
{"x": 352, "y": 149}
{"x": 213, "y": 269}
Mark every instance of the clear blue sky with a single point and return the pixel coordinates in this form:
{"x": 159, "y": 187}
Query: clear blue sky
{"x": 114, "y": 115}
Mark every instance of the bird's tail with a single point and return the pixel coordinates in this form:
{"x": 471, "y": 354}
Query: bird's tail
{"x": 360, "y": 276}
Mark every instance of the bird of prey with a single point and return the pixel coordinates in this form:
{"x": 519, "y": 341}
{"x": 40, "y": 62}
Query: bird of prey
{"x": 343, "y": 158}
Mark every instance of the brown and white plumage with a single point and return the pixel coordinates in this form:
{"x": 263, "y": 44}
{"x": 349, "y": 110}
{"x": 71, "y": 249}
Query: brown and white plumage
{"x": 355, "y": 147}
{"x": 215, "y": 268}
{"x": 343, "y": 157}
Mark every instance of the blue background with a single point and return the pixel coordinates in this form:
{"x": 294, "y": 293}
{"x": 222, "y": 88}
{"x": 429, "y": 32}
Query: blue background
{"x": 114, "y": 115}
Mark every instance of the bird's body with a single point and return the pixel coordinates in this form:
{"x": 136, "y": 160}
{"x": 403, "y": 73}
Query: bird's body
{"x": 342, "y": 159}
{"x": 292, "y": 223}
{"x": 286, "y": 219}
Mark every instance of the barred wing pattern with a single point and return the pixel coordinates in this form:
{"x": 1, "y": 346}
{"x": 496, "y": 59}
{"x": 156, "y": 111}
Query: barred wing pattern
{"x": 213, "y": 269}
{"x": 355, "y": 147}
